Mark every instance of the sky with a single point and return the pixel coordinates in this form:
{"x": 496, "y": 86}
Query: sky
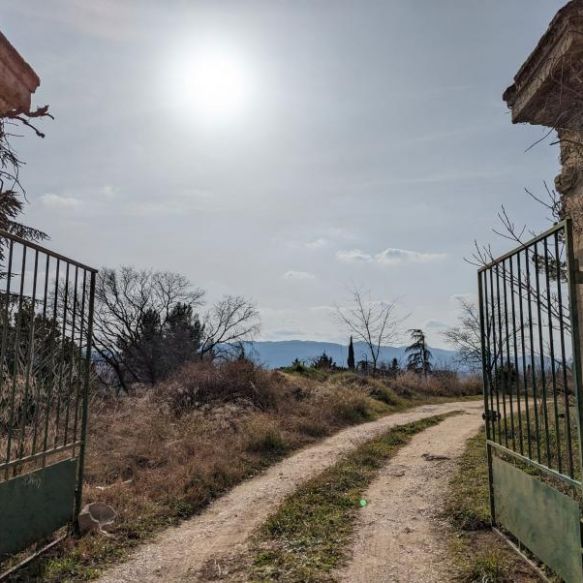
{"x": 347, "y": 143}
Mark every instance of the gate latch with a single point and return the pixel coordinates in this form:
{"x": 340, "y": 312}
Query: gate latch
{"x": 491, "y": 415}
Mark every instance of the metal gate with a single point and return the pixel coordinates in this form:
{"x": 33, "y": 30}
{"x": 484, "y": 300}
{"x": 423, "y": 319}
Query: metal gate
{"x": 532, "y": 398}
{"x": 46, "y": 314}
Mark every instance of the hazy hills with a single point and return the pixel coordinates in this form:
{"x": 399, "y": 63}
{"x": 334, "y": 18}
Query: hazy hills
{"x": 282, "y": 353}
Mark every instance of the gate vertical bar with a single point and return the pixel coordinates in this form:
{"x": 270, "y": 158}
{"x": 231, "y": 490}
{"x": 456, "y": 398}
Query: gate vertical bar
{"x": 516, "y": 367}
{"x": 486, "y": 390}
{"x": 524, "y": 365}
{"x": 85, "y": 413}
{"x": 563, "y": 356}
{"x": 572, "y": 272}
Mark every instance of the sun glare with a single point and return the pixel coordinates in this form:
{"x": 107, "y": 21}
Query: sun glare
{"x": 214, "y": 84}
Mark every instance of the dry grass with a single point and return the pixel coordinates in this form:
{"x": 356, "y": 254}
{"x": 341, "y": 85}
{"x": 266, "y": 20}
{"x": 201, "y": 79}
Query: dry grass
{"x": 163, "y": 454}
{"x": 442, "y": 384}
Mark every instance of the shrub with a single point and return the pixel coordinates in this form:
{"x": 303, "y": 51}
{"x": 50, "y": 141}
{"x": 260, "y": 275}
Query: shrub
{"x": 376, "y": 388}
{"x": 351, "y": 406}
{"x": 264, "y": 436}
{"x": 203, "y": 383}
{"x": 438, "y": 384}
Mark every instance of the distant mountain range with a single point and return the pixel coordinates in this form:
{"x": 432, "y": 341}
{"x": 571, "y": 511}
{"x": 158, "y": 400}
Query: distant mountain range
{"x": 282, "y": 353}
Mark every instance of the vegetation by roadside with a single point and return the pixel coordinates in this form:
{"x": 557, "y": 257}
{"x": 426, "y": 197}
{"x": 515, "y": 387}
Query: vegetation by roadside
{"x": 307, "y": 538}
{"x": 481, "y": 556}
{"x": 163, "y": 453}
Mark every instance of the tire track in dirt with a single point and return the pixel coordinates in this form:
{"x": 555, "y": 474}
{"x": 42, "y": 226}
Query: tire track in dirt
{"x": 400, "y": 536}
{"x": 183, "y": 554}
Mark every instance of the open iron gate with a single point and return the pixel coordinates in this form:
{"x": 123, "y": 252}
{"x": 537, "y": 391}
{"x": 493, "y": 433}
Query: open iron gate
{"x": 46, "y": 315}
{"x": 532, "y": 398}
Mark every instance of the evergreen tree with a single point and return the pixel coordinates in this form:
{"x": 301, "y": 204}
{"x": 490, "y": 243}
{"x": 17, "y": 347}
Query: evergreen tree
{"x": 159, "y": 348}
{"x": 143, "y": 352}
{"x": 419, "y": 355}
{"x": 183, "y": 333}
{"x": 324, "y": 362}
{"x": 395, "y": 368}
{"x": 12, "y": 197}
{"x": 351, "y": 362}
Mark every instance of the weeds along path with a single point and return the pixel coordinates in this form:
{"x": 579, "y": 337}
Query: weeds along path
{"x": 400, "y": 536}
{"x": 185, "y": 553}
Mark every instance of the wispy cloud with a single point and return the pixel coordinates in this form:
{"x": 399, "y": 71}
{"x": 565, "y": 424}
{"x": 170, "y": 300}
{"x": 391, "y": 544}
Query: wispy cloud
{"x": 97, "y": 201}
{"x": 435, "y": 325}
{"x": 298, "y": 275}
{"x": 388, "y": 257}
{"x": 317, "y": 243}
{"x": 396, "y": 256}
{"x": 354, "y": 256}
{"x": 59, "y": 201}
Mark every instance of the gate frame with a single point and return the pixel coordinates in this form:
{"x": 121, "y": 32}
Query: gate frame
{"x": 81, "y": 443}
{"x": 574, "y": 277}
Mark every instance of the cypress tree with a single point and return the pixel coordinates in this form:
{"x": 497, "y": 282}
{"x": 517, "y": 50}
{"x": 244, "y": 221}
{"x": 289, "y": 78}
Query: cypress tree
{"x": 351, "y": 363}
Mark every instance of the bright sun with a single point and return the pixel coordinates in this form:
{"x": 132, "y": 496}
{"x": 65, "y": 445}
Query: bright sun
{"x": 214, "y": 84}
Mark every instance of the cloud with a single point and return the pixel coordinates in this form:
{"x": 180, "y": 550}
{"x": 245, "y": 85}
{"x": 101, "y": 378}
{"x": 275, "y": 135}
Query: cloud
{"x": 317, "y": 243}
{"x": 390, "y": 256}
{"x": 323, "y": 309}
{"x": 108, "y": 192}
{"x": 396, "y": 256}
{"x": 97, "y": 200}
{"x": 298, "y": 275}
{"x": 59, "y": 201}
{"x": 354, "y": 256}
{"x": 436, "y": 325}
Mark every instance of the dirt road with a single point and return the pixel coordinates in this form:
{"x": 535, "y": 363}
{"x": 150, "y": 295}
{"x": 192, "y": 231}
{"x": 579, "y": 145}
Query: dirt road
{"x": 184, "y": 554}
{"x": 400, "y": 537}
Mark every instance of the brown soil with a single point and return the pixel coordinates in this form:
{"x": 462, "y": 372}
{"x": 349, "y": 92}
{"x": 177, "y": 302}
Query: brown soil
{"x": 185, "y": 552}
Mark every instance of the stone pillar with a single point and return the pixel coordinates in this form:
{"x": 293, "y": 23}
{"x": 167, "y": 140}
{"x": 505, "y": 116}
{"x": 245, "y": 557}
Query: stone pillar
{"x": 548, "y": 91}
{"x": 17, "y": 80}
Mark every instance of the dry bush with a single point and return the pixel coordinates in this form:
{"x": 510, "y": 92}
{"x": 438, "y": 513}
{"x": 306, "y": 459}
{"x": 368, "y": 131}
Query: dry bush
{"x": 204, "y": 383}
{"x": 263, "y": 435}
{"x": 442, "y": 384}
{"x": 376, "y": 388}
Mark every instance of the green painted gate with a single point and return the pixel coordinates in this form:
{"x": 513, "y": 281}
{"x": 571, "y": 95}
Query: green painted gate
{"x": 46, "y": 317}
{"x": 532, "y": 399}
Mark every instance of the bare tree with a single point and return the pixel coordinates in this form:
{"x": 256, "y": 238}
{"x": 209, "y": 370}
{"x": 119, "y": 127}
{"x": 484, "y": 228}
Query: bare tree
{"x": 126, "y": 302}
{"x": 373, "y": 322}
{"x": 230, "y": 322}
{"x": 540, "y": 263}
{"x": 517, "y": 233}
{"x": 466, "y": 337}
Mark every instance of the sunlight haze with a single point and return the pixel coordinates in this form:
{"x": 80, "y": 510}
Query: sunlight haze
{"x": 284, "y": 150}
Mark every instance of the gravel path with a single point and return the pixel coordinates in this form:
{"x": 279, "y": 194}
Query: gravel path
{"x": 400, "y": 537}
{"x": 183, "y": 554}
